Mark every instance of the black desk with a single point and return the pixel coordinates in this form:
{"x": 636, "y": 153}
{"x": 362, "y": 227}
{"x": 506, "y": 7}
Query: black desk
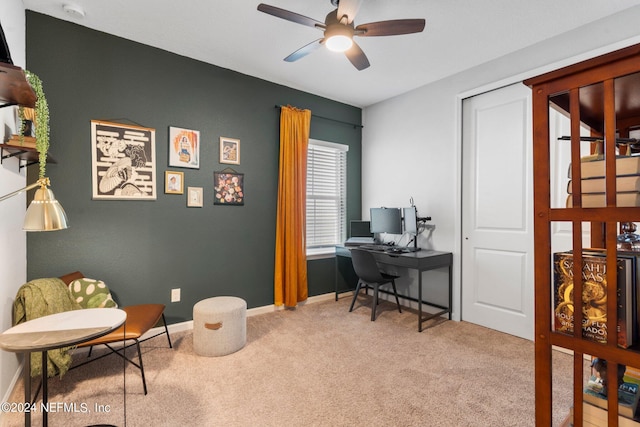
{"x": 421, "y": 261}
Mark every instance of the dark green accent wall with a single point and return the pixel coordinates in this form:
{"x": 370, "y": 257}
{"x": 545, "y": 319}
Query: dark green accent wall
{"x": 142, "y": 249}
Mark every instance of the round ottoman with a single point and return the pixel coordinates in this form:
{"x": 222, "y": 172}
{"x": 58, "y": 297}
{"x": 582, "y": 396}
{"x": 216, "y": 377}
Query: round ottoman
{"x": 219, "y": 326}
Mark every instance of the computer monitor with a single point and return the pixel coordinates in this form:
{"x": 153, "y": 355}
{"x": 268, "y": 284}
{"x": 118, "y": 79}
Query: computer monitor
{"x": 386, "y": 220}
{"x": 410, "y": 220}
{"x": 360, "y": 229}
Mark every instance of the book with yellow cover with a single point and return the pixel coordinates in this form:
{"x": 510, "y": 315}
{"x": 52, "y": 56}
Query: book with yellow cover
{"x": 594, "y": 297}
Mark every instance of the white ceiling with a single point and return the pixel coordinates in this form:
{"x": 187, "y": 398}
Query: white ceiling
{"x": 233, "y": 34}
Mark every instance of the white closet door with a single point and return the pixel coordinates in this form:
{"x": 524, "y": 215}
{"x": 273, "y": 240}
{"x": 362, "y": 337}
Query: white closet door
{"x": 497, "y": 211}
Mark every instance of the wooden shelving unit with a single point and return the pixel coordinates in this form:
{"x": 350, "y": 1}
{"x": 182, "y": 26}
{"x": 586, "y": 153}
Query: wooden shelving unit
{"x": 603, "y": 94}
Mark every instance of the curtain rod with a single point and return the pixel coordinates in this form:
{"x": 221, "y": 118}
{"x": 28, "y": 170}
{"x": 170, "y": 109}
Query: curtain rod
{"x": 333, "y": 120}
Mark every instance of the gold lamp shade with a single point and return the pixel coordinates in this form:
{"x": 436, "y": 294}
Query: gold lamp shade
{"x": 45, "y": 213}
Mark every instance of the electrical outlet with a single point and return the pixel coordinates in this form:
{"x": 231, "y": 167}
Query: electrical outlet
{"x": 175, "y": 295}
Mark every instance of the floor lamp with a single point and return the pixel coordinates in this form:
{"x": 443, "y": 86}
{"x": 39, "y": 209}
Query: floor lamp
{"x": 44, "y": 213}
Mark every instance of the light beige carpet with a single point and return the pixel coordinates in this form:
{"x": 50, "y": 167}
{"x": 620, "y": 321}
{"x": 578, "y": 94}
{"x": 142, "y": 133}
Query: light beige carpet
{"x": 318, "y": 365}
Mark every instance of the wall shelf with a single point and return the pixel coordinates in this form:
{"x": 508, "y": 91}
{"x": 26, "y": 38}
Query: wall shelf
{"x": 16, "y": 90}
{"x": 14, "y": 87}
{"x": 27, "y": 155}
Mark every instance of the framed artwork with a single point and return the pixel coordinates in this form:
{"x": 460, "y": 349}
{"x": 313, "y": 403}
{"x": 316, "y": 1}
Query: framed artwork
{"x": 184, "y": 148}
{"x": 173, "y": 182}
{"x": 194, "y": 197}
{"x": 229, "y": 188}
{"x": 123, "y": 161}
{"x": 229, "y": 151}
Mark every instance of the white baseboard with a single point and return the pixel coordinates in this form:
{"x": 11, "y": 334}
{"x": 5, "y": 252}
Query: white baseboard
{"x": 188, "y": 325}
{"x": 12, "y": 384}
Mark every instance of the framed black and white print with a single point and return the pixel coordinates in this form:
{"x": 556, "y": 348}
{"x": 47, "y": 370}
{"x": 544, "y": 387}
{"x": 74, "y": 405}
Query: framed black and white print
{"x": 123, "y": 161}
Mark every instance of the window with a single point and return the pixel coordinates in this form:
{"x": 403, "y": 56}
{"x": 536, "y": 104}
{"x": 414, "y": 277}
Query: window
{"x": 326, "y": 196}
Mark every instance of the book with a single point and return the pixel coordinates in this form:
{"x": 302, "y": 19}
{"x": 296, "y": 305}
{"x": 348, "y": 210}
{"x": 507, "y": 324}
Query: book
{"x": 633, "y": 294}
{"x": 632, "y": 375}
{"x": 594, "y": 307}
{"x": 628, "y": 296}
{"x": 624, "y": 184}
{"x": 627, "y": 199}
{"x": 26, "y": 141}
{"x": 595, "y": 416}
{"x": 628, "y": 395}
{"x": 625, "y": 165}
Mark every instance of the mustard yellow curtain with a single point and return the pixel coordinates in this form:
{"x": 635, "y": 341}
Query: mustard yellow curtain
{"x": 290, "y": 278}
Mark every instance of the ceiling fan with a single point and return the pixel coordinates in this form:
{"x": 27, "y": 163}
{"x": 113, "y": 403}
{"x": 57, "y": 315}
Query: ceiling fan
{"x": 339, "y": 30}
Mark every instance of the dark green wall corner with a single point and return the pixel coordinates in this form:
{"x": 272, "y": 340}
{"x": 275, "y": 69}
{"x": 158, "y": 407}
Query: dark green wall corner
{"x": 142, "y": 249}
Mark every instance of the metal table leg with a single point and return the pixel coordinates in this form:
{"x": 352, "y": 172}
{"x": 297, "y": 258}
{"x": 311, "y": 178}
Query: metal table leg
{"x": 27, "y": 388}
{"x": 45, "y": 391}
{"x": 419, "y": 301}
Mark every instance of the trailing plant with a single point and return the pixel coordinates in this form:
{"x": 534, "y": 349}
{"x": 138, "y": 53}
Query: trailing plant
{"x": 40, "y": 121}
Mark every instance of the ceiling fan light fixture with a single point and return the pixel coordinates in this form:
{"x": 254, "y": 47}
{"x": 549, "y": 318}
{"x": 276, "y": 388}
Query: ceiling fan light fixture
{"x": 339, "y": 43}
{"x": 338, "y": 38}
{"x": 339, "y": 30}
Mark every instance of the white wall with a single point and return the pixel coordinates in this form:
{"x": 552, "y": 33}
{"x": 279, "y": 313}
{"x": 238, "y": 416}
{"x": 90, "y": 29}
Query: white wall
{"x": 13, "y": 245}
{"x": 412, "y": 147}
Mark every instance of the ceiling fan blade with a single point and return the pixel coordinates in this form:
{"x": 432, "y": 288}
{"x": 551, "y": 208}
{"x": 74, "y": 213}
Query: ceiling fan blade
{"x": 390, "y": 28}
{"x": 304, "y": 51}
{"x": 357, "y": 57}
{"x": 289, "y": 16}
{"x": 349, "y": 8}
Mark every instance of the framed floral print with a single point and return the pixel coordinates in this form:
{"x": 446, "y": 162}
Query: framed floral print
{"x": 229, "y": 188}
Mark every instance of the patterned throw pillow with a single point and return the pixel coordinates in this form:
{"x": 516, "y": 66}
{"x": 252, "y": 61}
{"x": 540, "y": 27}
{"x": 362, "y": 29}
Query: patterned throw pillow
{"x": 91, "y": 293}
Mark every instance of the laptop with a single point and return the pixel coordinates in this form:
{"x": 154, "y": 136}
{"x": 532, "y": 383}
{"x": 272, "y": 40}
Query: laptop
{"x": 359, "y": 233}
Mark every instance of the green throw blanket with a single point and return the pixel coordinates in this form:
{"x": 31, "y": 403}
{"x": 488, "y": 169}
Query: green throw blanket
{"x": 38, "y": 298}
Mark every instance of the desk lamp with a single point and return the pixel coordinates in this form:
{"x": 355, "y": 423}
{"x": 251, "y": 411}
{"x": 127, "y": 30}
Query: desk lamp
{"x": 44, "y": 213}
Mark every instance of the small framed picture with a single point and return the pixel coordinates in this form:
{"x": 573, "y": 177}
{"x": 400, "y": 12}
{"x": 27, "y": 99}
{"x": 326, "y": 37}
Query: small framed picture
{"x": 184, "y": 148}
{"x": 229, "y": 151}
{"x": 173, "y": 182}
{"x": 194, "y": 197}
{"x": 229, "y": 188}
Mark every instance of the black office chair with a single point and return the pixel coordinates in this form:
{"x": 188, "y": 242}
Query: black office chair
{"x": 369, "y": 274}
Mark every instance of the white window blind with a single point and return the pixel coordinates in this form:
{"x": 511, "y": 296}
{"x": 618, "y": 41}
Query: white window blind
{"x": 326, "y": 194}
